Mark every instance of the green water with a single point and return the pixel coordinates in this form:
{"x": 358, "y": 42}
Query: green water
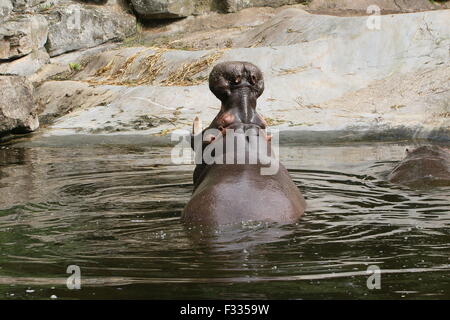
{"x": 114, "y": 211}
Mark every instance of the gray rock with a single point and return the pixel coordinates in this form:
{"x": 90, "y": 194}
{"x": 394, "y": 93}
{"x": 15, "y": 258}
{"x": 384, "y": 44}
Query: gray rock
{"x": 27, "y": 65}
{"x": 73, "y": 27}
{"x": 326, "y": 76}
{"x": 26, "y": 5}
{"x": 17, "y": 105}
{"x": 166, "y": 9}
{"x": 57, "y": 98}
{"x": 21, "y": 35}
{"x": 97, "y": 1}
{"x": 60, "y": 65}
{"x": 236, "y": 5}
{"x": 5, "y": 9}
{"x": 386, "y": 6}
{"x": 163, "y": 9}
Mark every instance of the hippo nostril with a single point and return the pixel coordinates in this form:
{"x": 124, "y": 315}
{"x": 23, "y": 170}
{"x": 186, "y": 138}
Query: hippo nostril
{"x": 253, "y": 79}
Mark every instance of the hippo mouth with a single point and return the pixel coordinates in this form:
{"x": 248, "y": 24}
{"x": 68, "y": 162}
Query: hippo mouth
{"x": 243, "y": 86}
{"x": 237, "y": 85}
{"x": 239, "y": 128}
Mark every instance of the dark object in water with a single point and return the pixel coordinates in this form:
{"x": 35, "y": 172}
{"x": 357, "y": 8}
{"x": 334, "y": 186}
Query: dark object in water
{"x": 232, "y": 193}
{"x": 426, "y": 166}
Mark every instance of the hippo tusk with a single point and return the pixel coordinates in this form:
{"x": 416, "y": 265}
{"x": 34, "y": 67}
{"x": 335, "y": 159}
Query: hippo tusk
{"x": 197, "y": 126}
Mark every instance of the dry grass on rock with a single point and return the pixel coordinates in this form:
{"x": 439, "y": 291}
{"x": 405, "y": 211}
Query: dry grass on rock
{"x": 151, "y": 66}
{"x": 185, "y": 75}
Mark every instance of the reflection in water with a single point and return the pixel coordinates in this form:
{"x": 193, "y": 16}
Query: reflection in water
{"x": 114, "y": 211}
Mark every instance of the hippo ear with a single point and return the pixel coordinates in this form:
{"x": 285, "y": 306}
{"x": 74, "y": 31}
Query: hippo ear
{"x": 260, "y": 87}
{"x": 217, "y": 82}
{"x": 257, "y": 77}
{"x": 220, "y": 88}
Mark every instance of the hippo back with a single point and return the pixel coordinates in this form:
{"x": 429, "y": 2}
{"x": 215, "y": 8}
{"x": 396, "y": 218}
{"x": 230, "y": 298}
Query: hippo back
{"x": 230, "y": 194}
{"x": 426, "y": 166}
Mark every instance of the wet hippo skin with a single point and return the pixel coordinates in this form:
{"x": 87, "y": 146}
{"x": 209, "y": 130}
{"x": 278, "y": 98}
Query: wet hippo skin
{"x": 232, "y": 193}
{"x": 426, "y": 166}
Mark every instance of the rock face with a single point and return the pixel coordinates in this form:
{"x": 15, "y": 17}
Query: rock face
{"x": 73, "y": 27}
{"x": 26, "y": 5}
{"x": 355, "y": 81}
{"x": 425, "y": 166}
{"x": 21, "y": 35}
{"x": 17, "y": 105}
{"x": 236, "y": 5}
{"x": 70, "y": 95}
{"x": 5, "y": 9}
{"x": 27, "y": 65}
{"x": 163, "y": 9}
{"x": 386, "y": 6}
{"x": 22, "y": 40}
{"x": 324, "y": 73}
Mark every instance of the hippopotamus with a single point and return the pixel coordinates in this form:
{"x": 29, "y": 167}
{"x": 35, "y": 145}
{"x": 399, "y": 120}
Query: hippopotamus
{"x": 229, "y": 193}
{"x": 426, "y": 166}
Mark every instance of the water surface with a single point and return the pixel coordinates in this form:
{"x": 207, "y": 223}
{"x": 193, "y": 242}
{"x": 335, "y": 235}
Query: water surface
{"x": 114, "y": 211}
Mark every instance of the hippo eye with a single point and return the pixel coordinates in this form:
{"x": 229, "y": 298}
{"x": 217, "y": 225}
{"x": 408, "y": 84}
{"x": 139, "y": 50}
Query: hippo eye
{"x": 237, "y": 80}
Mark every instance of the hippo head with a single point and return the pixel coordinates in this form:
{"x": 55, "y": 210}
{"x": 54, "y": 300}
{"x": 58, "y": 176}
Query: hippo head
{"x": 237, "y": 85}
{"x": 229, "y": 78}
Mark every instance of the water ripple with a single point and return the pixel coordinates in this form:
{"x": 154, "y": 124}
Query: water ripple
{"x": 115, "y": 212}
